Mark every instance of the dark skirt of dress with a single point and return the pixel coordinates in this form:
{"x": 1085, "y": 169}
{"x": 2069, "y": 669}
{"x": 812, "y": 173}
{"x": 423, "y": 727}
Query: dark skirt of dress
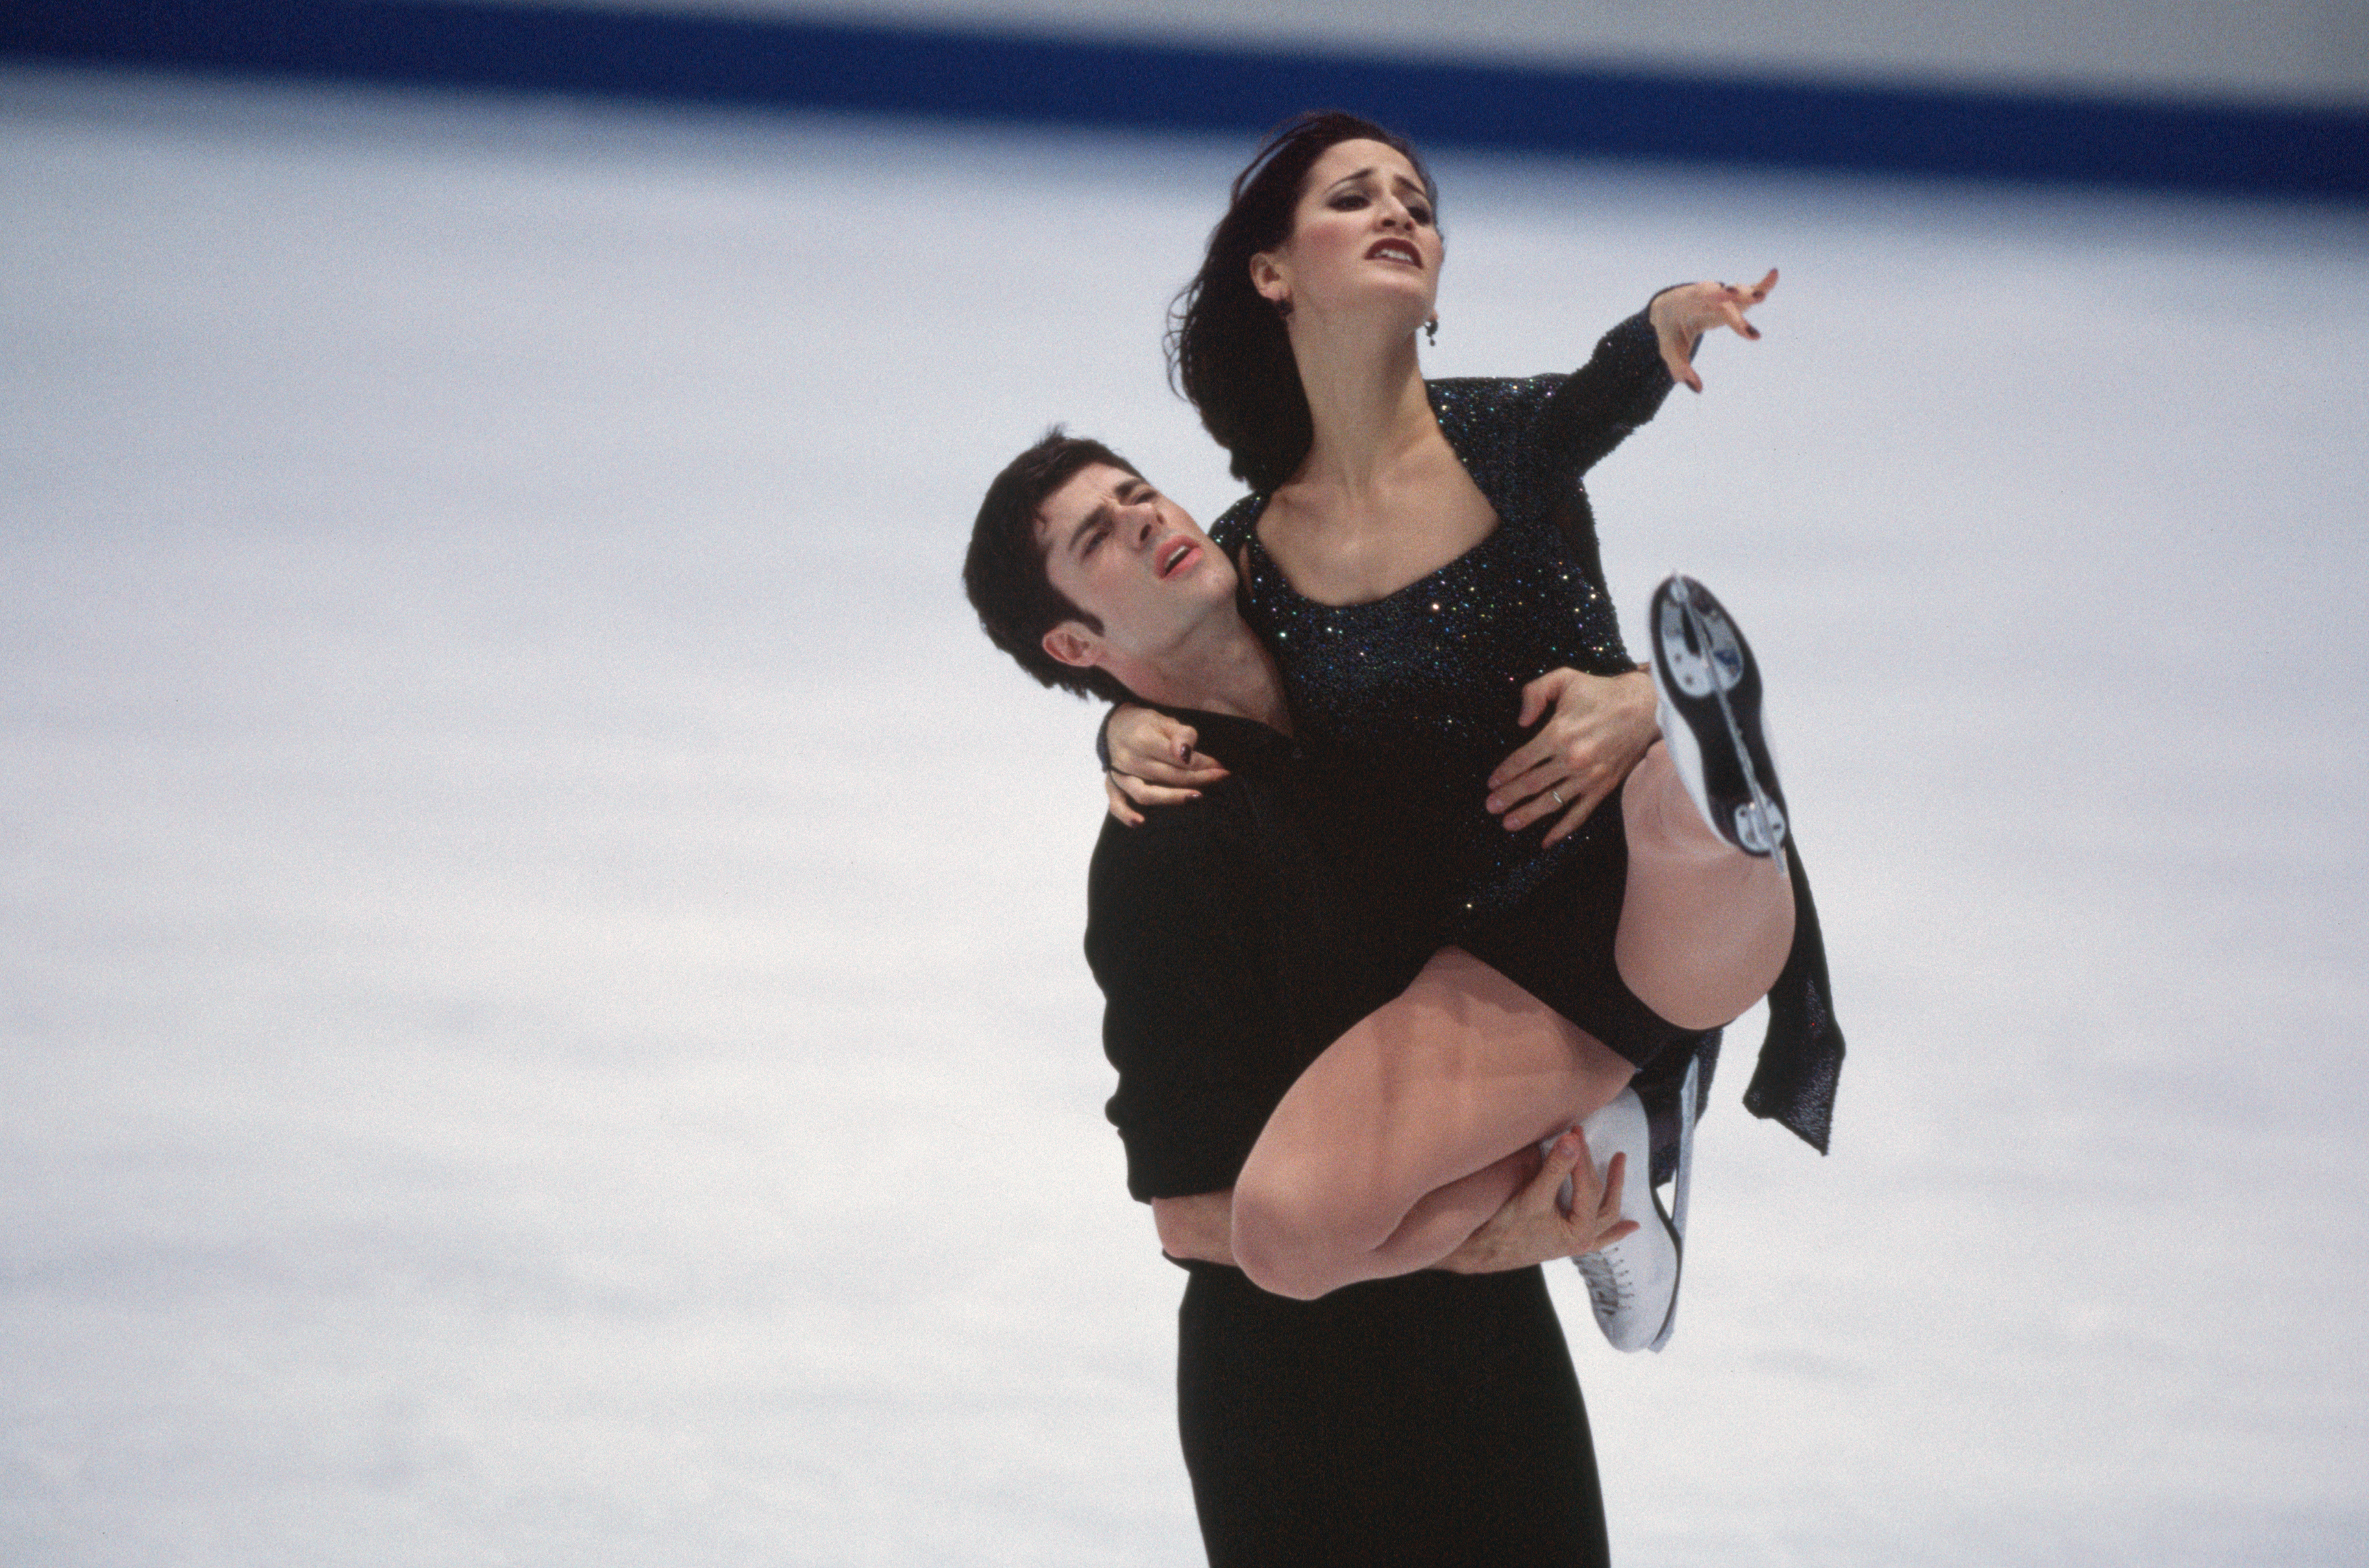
{"x": 1556, "y": 941}
{"x": 1431, "y": 1419}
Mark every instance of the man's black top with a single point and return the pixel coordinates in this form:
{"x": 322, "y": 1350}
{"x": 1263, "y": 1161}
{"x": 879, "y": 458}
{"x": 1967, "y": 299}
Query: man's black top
{"x": 1230, "y": 949}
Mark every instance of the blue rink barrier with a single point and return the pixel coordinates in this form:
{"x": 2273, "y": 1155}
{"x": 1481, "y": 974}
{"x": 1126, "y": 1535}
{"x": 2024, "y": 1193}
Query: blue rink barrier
{"x": 2321, "y": 152}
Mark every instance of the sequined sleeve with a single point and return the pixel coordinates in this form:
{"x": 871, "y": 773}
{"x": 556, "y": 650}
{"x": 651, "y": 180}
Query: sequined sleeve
{"x": 1593, "y": 409}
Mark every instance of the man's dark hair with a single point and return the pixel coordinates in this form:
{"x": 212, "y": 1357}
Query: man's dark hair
{"x": 1004, "y": 572}
{"x": 1227, "y": 352}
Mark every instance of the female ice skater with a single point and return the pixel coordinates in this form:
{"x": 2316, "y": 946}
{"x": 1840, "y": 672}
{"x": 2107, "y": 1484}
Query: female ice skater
{"x": 1421, "y": 562}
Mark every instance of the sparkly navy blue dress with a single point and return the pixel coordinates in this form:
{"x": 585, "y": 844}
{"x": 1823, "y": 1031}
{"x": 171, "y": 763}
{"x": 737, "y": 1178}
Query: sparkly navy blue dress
{"x": 1411, "y": 701}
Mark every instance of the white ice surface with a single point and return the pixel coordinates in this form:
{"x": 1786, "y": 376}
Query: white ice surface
{"x": 539, "y": 947}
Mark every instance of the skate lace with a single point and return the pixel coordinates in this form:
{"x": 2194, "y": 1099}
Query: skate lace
{"x": 1608, "y": 1283}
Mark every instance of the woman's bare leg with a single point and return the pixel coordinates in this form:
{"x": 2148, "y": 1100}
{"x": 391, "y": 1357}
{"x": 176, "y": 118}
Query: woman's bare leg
{"x": 1705, "y": 928}
{"x": 1398, "y": 1134}
{"x": 1393, "y": 1145}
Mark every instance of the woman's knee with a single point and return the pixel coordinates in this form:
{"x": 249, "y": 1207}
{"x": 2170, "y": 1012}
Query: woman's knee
{"x": 1289, "y": 1238}
{"x": 1709, "y": 981}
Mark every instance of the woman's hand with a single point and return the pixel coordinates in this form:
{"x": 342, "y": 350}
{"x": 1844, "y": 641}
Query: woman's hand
{"x": 1152, "y": 762}
{"x": 1602, "y": 724}
{"x": 1681, "y": 316}
{"x": 1533, "y": 1225}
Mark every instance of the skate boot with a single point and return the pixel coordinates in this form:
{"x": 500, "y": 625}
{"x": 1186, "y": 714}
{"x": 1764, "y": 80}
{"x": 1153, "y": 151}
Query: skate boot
{"x": 1709, "y": 690}
{"x": 1633, "y": 1284}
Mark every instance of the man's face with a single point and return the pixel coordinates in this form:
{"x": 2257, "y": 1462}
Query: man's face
{"x": 1128, "y": 554}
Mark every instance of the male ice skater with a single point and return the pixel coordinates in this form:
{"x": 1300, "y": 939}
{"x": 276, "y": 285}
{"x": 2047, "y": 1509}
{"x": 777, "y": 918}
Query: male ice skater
{"x": 1429, "y": 1416}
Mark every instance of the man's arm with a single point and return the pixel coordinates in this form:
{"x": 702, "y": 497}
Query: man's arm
{"x": 1178, "y": 942}
{"x": 1531, "y": 1228}
{"x": 1601, "y": 726}
{"x": 1200, "y": 1227}
{"x": 1533, "y": 1225}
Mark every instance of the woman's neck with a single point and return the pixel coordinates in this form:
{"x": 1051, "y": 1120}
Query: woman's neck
{"x": 1367, "y": 403}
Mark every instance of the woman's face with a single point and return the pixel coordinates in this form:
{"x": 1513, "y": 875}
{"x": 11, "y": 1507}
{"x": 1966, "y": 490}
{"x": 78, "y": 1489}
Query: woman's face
{"x": 1363, "y": 237}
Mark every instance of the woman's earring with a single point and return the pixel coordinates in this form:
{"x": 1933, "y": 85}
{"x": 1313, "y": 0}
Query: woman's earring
{"x": 1431, "y": 330}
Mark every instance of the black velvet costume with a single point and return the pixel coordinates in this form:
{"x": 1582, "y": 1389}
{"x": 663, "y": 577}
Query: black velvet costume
{"x": 1411, "y": 701}
{"x": 1432, "y": 1418}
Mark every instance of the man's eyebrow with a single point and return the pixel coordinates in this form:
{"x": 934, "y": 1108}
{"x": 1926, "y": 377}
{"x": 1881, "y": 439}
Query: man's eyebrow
{"x": 1100, "y": 517}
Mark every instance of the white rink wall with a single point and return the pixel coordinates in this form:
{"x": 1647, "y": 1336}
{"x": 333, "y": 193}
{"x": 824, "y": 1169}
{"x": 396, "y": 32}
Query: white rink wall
{"x": 541, "y": 1017}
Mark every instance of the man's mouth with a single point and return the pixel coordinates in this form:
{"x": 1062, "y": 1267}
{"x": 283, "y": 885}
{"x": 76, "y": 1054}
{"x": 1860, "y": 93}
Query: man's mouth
{"x": 1395, "y": 250}
{"x": 1174, "y": 555}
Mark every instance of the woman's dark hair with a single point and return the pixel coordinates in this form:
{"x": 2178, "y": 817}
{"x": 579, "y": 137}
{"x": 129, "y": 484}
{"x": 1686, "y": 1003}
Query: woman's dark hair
{"x": 1227, "y": 349}
{"x": 1004, "y": 571}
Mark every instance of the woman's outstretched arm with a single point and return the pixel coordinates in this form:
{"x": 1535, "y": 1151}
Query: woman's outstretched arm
{"x": 1681, "y": 316}
{"x": 1631, "y": 370}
